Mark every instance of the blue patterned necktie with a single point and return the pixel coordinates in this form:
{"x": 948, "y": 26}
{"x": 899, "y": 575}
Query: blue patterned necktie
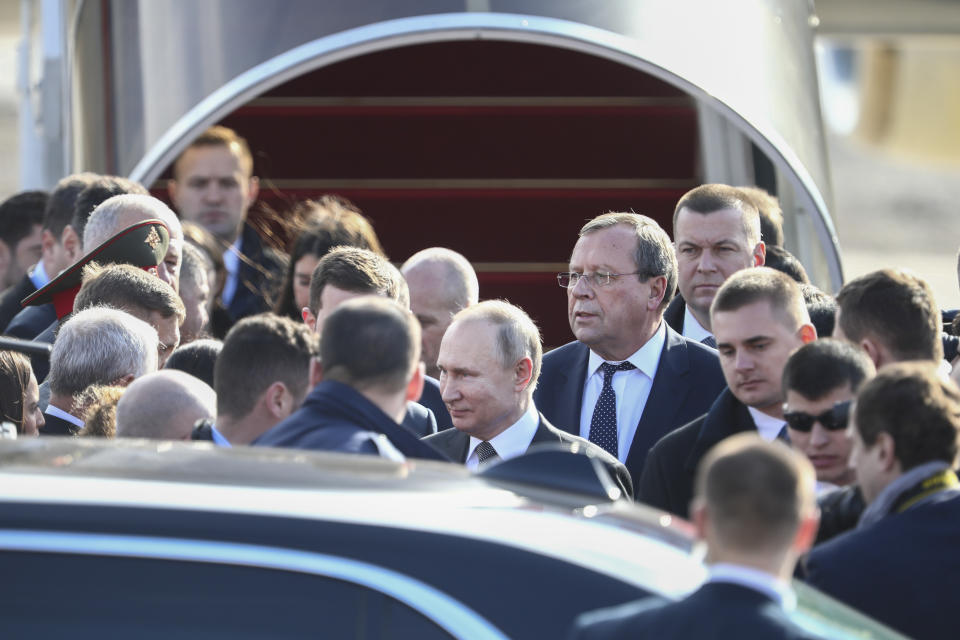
{"x": 710, "y": 341}
{"x": 485, "y": 451}
{"x": 603, "y": 424}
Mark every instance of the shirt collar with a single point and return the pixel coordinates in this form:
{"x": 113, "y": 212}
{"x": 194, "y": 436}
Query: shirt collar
{"x": 218, "y": 438}
{"x": 515, "y": 439}
{"x": 692, "y": 328}
{"x": 646, "y": 358}
{"x": 38, "y": 276}
{"x": 768, "y": 426}
{"x": 757, "y": 580}
{"x": 57, "y": 412}
{"x": 231, "y": 257}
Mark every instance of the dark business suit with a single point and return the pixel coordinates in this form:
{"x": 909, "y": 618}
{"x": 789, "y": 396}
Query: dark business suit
{"x": 258, "y": 276}
{"x": 667, "y": 480}
{"x": 688, "y": 380}
{"x": 335, "y": 417}
{"x": 456, "y": 444}
{"x": 10, "y": 300}
{"x": 431, "y": 399}
{"x": 31, "y": 321}
{"x": 57, "y": 426}
{"x": 903, "y": 570}
{"x": 675, "y": 312}
{"x": 419, "y": 420}
{"x": 719, "y": 610}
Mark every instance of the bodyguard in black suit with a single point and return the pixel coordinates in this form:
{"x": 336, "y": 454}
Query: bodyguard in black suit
{"x": 751, "y": 552}
{"x": 10, "y": 300}
{"x": 759, "y": 318}
{"x": 489, "y": 361}
{"x": 54, "y": 425}
{"x": 901, "y": 564}
{"x": 628, "y": 379}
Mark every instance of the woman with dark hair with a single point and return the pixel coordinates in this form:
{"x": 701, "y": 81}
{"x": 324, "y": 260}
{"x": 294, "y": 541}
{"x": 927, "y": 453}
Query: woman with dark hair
{"x": 19, "y": 394}
{"x": 329, "y": 222}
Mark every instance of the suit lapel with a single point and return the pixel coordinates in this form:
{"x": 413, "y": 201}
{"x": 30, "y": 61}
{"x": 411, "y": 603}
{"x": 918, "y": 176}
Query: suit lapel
{"x": 545, "y": 432}
{"x": 667, "y": 395}
{"x": 570, "y": 391}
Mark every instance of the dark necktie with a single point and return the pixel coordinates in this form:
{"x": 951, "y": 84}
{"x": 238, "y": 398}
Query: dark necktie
{"x": 710, "y": 341}
{"x": 784, "y": 435}
{"x": 603, "y": 424}
{"x": 485, "y": 451}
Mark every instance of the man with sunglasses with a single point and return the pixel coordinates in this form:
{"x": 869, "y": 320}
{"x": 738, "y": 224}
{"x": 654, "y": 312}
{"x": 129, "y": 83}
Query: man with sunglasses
{"x": 628, "y": 379}
{"x": 820, "y": 380}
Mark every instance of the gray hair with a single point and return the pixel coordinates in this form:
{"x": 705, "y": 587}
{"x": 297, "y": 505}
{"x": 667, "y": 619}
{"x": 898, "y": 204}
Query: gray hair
{"x": 517, "y": 335}
{"x": 163, "y": 405}
{"x": 119, "y": 212}
{"x": 195, "y": 265}
{"x": 99, "y": 346}
{"x": 655, "y": 255}
{"x": 462, "y": 288}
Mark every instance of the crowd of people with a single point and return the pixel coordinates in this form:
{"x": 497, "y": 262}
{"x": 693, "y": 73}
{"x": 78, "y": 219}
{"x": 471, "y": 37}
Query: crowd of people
{"x": 802, "y": 433}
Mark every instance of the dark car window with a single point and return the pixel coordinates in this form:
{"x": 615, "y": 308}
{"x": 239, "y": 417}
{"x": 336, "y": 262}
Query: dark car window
{"x": 65, "y": 595}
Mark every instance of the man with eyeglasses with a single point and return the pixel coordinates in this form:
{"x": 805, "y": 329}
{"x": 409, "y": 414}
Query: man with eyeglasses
{"x": 628, "y": 379}
{"x": 820, "y": 381}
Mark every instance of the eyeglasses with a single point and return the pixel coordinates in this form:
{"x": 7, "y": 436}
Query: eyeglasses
{"x": 834, "y": 419}
{"x": 568, "y": 280}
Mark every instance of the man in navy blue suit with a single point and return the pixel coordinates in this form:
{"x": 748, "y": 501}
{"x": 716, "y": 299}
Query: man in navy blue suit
{"x": 901, "y": 564}
{"x": 755, "y": 510}
{"x": 371, "y": 370}
{"x": 628, "y": 379}
{"x": 759, "y": 318}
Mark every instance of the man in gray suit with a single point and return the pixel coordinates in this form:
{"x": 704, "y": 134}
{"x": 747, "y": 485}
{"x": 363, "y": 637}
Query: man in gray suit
{"x": 489, "y": 363}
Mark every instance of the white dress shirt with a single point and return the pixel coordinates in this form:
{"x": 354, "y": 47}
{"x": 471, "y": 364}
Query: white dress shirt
{"x": 768, "y": 426}
{"x": 231, "y": 262}
{"x": 757, "y": 580}
{"x": 692, "y": 328}
{"x": 60, "y": 413}
{"x": 38, "y": 275}
{"x": 631, "y": 387}
{"x": 512, "y": 441}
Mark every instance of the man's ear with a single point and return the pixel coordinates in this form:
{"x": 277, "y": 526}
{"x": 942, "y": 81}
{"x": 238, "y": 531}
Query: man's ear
{"x": 316, "y": 372}
{"x": 47, "y": 243}
{"x": 523, "y": 374}
{"x": 806, "y": 533}
{"x": 760, "y": 254}
{"x": 309, "y": 319}
{"x": 72, "y": 244}
{"x": 277, "y": 400}
{"x": 123, "y": 381}
{"x": 887, "y": 451}
{"x": 415, "y": 386}
{"x": 808, "y": 333}
{"x": 873, "y": 351}
{"x": 699, "y": 517}
{"x": 658, "y": 288}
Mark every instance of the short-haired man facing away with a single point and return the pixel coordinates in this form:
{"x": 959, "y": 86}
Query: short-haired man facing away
{"x": 370, "y": 354}
{"x": 891, "y": 314}
{"x": 442, "y": 282}
{"x": 629, "y": 379}
{"x": 754, "y": 508}
{"x": 716, "y": 231}
{"x": 350, "y": 272}
{"x": 164, "y": 405}
{"x": 489, "y": 364}
{"x": 95, "y": 346}
{"x": 900, "y": 565}
{"x": 759, "y": 319}
{"x": 261, "y": 377}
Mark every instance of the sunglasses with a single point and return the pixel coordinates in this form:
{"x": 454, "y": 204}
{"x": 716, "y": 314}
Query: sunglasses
{"x": 834, "y": 419}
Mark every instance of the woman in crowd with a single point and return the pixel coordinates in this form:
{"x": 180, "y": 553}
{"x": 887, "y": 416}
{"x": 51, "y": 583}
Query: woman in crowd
{"x": 19, "y": 394}
{"x": 328, "y": 222}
